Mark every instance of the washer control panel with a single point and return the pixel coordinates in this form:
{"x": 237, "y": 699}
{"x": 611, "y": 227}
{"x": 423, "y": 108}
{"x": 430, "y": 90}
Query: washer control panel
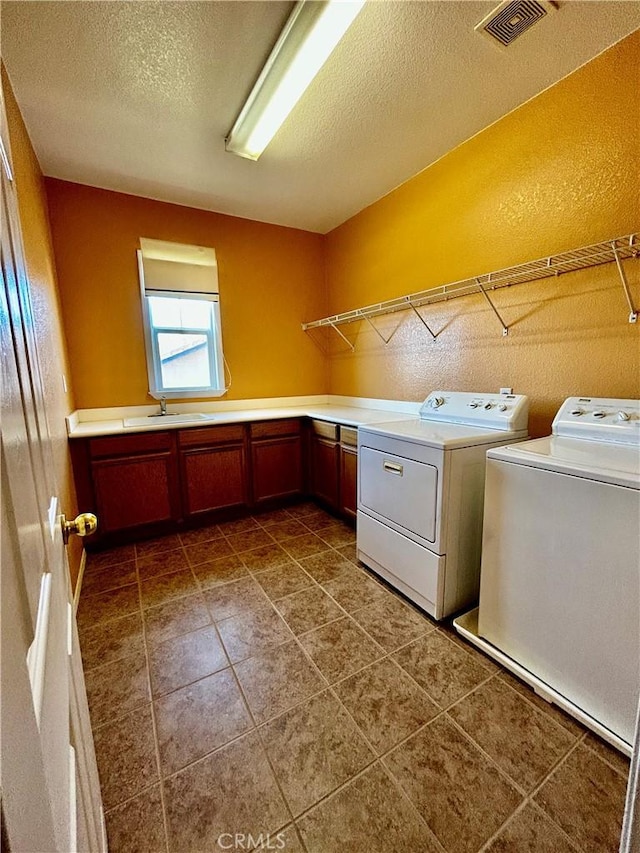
{"x": 494, "y": 411}
{"x": 599, "y": 419}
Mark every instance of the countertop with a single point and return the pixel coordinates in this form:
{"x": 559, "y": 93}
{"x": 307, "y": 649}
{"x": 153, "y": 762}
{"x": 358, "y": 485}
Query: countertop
{"x": 353, "y": 412}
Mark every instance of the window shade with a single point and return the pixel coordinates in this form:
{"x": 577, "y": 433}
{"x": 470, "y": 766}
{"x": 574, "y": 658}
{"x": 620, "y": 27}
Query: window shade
{"x": 178, "y": 267}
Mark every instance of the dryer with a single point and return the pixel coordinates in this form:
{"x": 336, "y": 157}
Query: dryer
{"x": 420, "y": 494}
{"x": 560, "y": 576}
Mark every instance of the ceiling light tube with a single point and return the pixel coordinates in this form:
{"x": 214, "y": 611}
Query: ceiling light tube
{"x": 311, "y": 33}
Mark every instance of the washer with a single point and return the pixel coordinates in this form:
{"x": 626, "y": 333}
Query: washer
{"x": 560, "y": 579}
{"x": 420, "y": 494}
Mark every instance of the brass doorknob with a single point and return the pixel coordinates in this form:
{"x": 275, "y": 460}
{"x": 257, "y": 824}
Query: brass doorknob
{"x": 82, "y": 525}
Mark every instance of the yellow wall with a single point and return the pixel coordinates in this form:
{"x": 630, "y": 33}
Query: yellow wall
{"x": 558, "y": 173}
{"x": 271, "y": 279}
{"x": 50, "y": 337}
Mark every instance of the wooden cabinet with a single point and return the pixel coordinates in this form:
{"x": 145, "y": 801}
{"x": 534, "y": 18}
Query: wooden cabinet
{"x": 134, "y": 480}
{"x": 324, "y": 463}
{"x": 213, "y": 468}
{"x": 276, "y": 460}
{"x": 348, "y": 472}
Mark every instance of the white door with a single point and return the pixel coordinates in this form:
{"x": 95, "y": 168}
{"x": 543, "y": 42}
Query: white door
{"x": 48, "y": 774}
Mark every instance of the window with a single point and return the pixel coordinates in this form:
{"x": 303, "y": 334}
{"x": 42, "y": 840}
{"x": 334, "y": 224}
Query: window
{"x": 181, "y": 313}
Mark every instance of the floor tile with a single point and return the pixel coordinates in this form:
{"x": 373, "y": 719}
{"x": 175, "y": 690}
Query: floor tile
{"x": 459, "y": 793}
{"x": 221, "y": 570}
{"x": 201, "y": 534}
{"x": 608, "y": 753}
{"x": 95, "y": 609}
{"x": 287, "y": 840}
{"x": 386, "y": 704}
{"x": 392, "y": 623}
{"x": 524, "y": 742}
{"x": 178, "y": 616}
{"x": 110, "y": 641}
{"x": 161, "y": 563}
{"x": 340, "y": 648}
{"x": 267, "y": 557}
{"x": 283, "y": 580}
{"x": 198, "y": 718}
{"x": 253, "y": 632}
{"x": 256, "y": 538}
{"x": 157, "y": 545}
{"x": 369, "y": 815}
{"x": 110, "y": 577}
{"x": 137, "y": 826}
{"x": 585, "y": 797}
{"x": 116, "y": 688}
{"x": 110, "y": 557}
{"x": 563, "y": 719}
{"x": 159, "y": 590}
{"x": 235, "y": 598}
{"x": 184, "y": 659}
{"x": 274, "y": 516}
{"x": 277, "y": 679}
{"x": 304, "y": 546}
{"x": 349, "y": 552}
{"x": 327, "y": 566}
{"x": 308, "y": 609}
{"x": 204, "y": 552}
{"x": 239, "y": 525}
{"x": 530, "y": 832}
{"x": 337, "y": 535}
{"x": 441, "y": 668}
{"x": 286, "y": 529}
{"x": 232, "y": 791}
{"x": 126, "y": 755}
{"x": 314, "y": 748}
{"x": 305, "y": 510}
{"x": 353, "y": 590}
{"x": 317, "y": 519}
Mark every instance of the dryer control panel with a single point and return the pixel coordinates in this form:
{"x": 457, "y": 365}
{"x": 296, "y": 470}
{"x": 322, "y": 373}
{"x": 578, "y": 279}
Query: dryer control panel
{"x": 506, "y": 412}
{"x": 599, "y": 419}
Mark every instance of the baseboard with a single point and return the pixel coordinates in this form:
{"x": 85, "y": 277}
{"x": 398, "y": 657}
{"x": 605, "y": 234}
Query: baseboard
{"x": 76, "y": 592}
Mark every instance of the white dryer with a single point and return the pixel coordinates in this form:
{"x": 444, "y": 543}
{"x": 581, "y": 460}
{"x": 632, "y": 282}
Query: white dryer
{"x": 560, "y": 578}
{"x": 420, "y": 493}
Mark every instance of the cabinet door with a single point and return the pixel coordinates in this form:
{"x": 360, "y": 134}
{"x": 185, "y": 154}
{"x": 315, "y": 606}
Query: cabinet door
{"x": 277, "y": 468}
{"x": 135, "y": 490}
{"x": 325, "y": 462}
{"x": 348, "y": 481}
{"x": 213, "y": 478}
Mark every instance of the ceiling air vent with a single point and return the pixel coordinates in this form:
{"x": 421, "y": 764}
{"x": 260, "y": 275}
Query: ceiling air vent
{"x": 512, "y": 18}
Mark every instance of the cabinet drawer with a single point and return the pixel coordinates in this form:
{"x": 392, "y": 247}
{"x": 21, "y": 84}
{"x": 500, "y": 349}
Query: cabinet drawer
{"x": 129, "y": 445}
{"x": 349, "y": 436}
{"x": 271, "y": 429}
{"x": 325, "y": 429}
{"x": 210, "y": 435}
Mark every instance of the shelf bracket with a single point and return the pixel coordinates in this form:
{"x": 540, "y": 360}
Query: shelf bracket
{"x": 505, "y": 328}
{"x": 384, "y": 340}
{"x": 633, "y": 314}
{"x": 422, "y": 320}
{"x": 344, "y": 337}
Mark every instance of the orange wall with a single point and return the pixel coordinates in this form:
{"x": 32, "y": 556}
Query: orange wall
{"x": 271, "y": 280}
{"x": 558, "y": 173}
{"x": 50, "y": 336}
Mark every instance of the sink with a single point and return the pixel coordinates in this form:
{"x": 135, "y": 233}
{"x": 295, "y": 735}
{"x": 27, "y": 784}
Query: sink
{"x": 168, "y": 419}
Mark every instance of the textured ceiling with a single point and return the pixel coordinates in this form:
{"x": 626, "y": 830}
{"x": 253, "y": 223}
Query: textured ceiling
{"x": 138, "y": 96}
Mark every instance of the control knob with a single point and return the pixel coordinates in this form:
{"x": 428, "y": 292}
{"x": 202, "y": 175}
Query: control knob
{"x": 577, "y": 412}
{"x": 599, "y": 414}
{"x": 488, "y": 405}
{"x": 502, "y": 407}
{"x": 437, "y": 402}
{"x": 623, "y": 416}
{"x": 474, "y": 404}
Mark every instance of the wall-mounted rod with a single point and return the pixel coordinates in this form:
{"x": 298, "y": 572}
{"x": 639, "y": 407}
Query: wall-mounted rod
{"x": 505, "y": 328}
{"x": 422, "y": 320}
{"x": 633, "y": 314}
{"x": 384, "y": 340}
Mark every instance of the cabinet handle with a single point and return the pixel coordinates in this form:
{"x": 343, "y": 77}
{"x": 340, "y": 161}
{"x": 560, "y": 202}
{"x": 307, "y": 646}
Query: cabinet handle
{"x": 393, "y": 468}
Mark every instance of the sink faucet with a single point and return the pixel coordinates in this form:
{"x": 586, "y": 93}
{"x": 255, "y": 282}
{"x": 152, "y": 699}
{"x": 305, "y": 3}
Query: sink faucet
{"x": 163, "y": 405}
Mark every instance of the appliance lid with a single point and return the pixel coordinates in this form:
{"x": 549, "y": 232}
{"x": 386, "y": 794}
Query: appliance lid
{"x": 506, "y": 412}
{"x": 605, "y": 419}
{"x": 612, "y": 463}
{"x": 444, "y": 436}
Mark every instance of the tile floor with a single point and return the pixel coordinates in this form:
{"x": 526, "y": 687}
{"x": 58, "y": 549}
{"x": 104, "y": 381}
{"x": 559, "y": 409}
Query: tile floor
{"x": 252, "y": 687}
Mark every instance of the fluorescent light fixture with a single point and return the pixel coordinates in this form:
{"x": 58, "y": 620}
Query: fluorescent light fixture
{"x": 311, "y": 33}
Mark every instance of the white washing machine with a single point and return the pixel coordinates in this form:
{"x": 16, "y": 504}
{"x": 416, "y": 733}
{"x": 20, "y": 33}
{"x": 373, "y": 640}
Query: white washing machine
{"x": 560, "y": 579}
{"x": 420, "y": 494}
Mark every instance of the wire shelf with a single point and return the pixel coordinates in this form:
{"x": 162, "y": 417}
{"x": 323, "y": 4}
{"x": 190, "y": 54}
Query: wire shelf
{"x": 606, "y": 252}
